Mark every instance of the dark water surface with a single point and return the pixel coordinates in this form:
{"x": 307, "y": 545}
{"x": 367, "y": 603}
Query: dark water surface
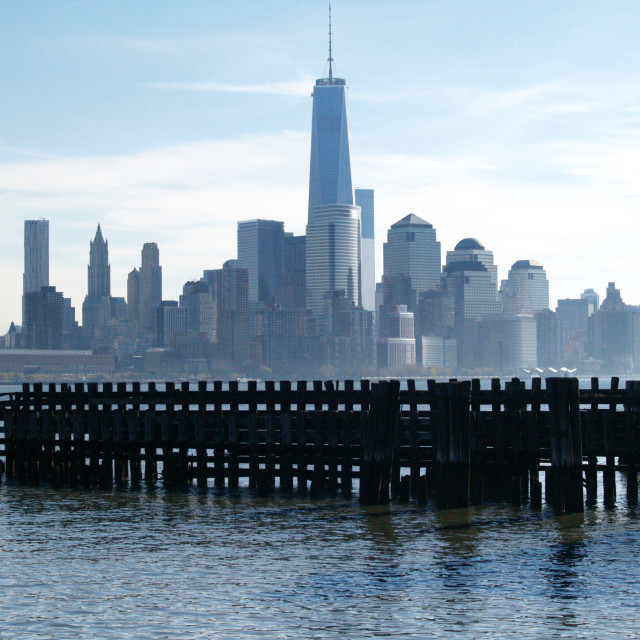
{"x": 80, "y": 564}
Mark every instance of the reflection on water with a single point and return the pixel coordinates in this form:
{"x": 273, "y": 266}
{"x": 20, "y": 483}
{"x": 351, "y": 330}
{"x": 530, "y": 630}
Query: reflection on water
{"x": 152, "y": 564}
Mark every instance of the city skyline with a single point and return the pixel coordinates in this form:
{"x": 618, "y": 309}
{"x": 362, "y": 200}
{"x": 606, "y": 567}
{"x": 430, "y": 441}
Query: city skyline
{"x": 503, "y": 152}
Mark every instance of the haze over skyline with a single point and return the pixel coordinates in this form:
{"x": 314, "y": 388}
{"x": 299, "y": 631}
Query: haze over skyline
{"x": 515, "y": 124}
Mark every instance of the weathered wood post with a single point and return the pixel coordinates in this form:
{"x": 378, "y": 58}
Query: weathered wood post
{"x": 378, "y": 439}
{"x": 200, "y": 430}
{"x": 453, "y": 444}
{"x": 286, "y": 442}
{"x": 135, "y": 430}
{"x": 234, "y": 430}
{"x": 252, "y": 428}
{"x": 533, "y": 457}
{"x": 300, "y": 436}
{"x": 609, "y": 473}
{"x": 346, "y": 462}
{"x": 632, "y": 409}
{"x": 268, "y": 478}
{"x": 591, "y": 420}
{"x": 566, "y": 444}
{"x": 150, "y": 439}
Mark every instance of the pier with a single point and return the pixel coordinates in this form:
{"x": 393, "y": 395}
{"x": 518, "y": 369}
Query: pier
{"x": 453, "y": 443}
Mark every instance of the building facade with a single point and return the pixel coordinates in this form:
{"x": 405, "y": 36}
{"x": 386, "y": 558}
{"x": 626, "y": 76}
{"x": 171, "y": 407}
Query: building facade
{"x": 412, "y": 253}
{"x": 526, "y": 289}
{"x": 36, "y": 257}
{"x": 365, "y": 200}
{"x": 150, "y": 285}
{"x": 261, "y": 252}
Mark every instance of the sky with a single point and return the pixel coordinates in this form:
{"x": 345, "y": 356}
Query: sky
{"x": 516, "y": 122}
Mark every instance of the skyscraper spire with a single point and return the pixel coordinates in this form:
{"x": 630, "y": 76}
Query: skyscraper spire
{"x": 330, "y": 58}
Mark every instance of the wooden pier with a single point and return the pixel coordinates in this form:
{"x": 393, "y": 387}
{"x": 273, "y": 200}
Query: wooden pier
{"x": 452, "y": 443}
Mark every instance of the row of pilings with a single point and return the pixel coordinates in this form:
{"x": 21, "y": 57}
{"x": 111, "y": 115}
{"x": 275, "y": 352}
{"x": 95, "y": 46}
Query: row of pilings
{"x": 451, "y": 443}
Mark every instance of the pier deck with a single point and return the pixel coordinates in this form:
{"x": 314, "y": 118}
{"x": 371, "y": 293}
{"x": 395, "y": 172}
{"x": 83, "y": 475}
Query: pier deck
{"x": 453, "y": 443}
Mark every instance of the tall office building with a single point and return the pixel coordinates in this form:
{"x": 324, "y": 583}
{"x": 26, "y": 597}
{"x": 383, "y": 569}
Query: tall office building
{"x": 36, "y": 258}
{"x": 197, "y": 299}
{"x": 365, "y": 200}
{"x": 44, "y": 318}
{"x": 526, "y": 289}
{"x": 261, "y": 252}
{"x": 470, "y": 250}
{"x": 96, "y": 308}
{"x": 333, "y": 230}
{"x": 133, "y": 296}
{"x": 292, "y": 291}
{"x": 99, "y": 271}
{"x": 150, "y": 288}
{"x": 468, "y": 295}
{"x": 412, "y": 255}
{"x": 232, "y": 300}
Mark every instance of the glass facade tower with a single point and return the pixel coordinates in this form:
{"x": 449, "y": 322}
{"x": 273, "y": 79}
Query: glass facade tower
{"x": 333, "y": 249}
{"x": 330, "y": 173}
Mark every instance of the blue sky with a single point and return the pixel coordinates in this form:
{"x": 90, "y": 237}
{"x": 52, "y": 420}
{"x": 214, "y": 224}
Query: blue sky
{"x": 515, "y": 122}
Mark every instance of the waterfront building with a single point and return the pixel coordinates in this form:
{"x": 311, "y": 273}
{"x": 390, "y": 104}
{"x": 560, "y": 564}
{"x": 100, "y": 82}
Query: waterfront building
{"x": 44, "y": 318}
{"x": 439, "y": 352}
{"x": 36, "y": 258}
{"x": 364, "y": 199}
{"x": 150, "y": 285}
{"x": 286, "y": 338}
{"x": 171, "y": 322}
{"x": 198, "y": 301}
{"x": 507, "y": 342}
{"x": 260, "y": 251}
{"x": 232, "y": 302}
{"x": 292, "y": 291}
{"x": 575, "y": 312}
{"x": 614, "y": 334}
{"x": 412, "y": 256}
{"x": 396, "y": 341}
{"x": 551, "y": 337}
{"x": 526, "y": 289}
{"x": 333, "y": 249}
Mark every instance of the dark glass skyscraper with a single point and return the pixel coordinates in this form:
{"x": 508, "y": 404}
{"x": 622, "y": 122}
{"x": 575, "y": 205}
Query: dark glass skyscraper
{"x": 261, "y": 252}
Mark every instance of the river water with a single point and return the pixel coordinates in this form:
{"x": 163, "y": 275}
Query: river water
{"x": 155, "y": 564}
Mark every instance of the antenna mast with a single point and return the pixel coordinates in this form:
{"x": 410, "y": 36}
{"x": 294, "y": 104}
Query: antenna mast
{"x": 330, "y": 58}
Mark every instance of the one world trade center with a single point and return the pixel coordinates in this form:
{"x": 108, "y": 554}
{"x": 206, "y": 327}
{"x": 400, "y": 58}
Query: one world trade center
{"x": 333, "y": 229}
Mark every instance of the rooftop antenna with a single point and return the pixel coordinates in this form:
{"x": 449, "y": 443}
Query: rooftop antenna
{"x": 330, "y": 59}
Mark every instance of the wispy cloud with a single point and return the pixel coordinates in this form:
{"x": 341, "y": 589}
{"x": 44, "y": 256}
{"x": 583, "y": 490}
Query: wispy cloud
{"x": 295, "y": 88}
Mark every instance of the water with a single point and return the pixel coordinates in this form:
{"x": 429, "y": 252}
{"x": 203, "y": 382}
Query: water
{"x": 154, "y": 565}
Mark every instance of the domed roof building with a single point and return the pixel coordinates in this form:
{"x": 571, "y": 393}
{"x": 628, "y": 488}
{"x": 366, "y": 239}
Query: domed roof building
{"x": 472, "y": 250}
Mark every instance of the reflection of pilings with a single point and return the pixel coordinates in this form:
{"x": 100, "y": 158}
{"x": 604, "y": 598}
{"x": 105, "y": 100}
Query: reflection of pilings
{"x": 567, "y": 553}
